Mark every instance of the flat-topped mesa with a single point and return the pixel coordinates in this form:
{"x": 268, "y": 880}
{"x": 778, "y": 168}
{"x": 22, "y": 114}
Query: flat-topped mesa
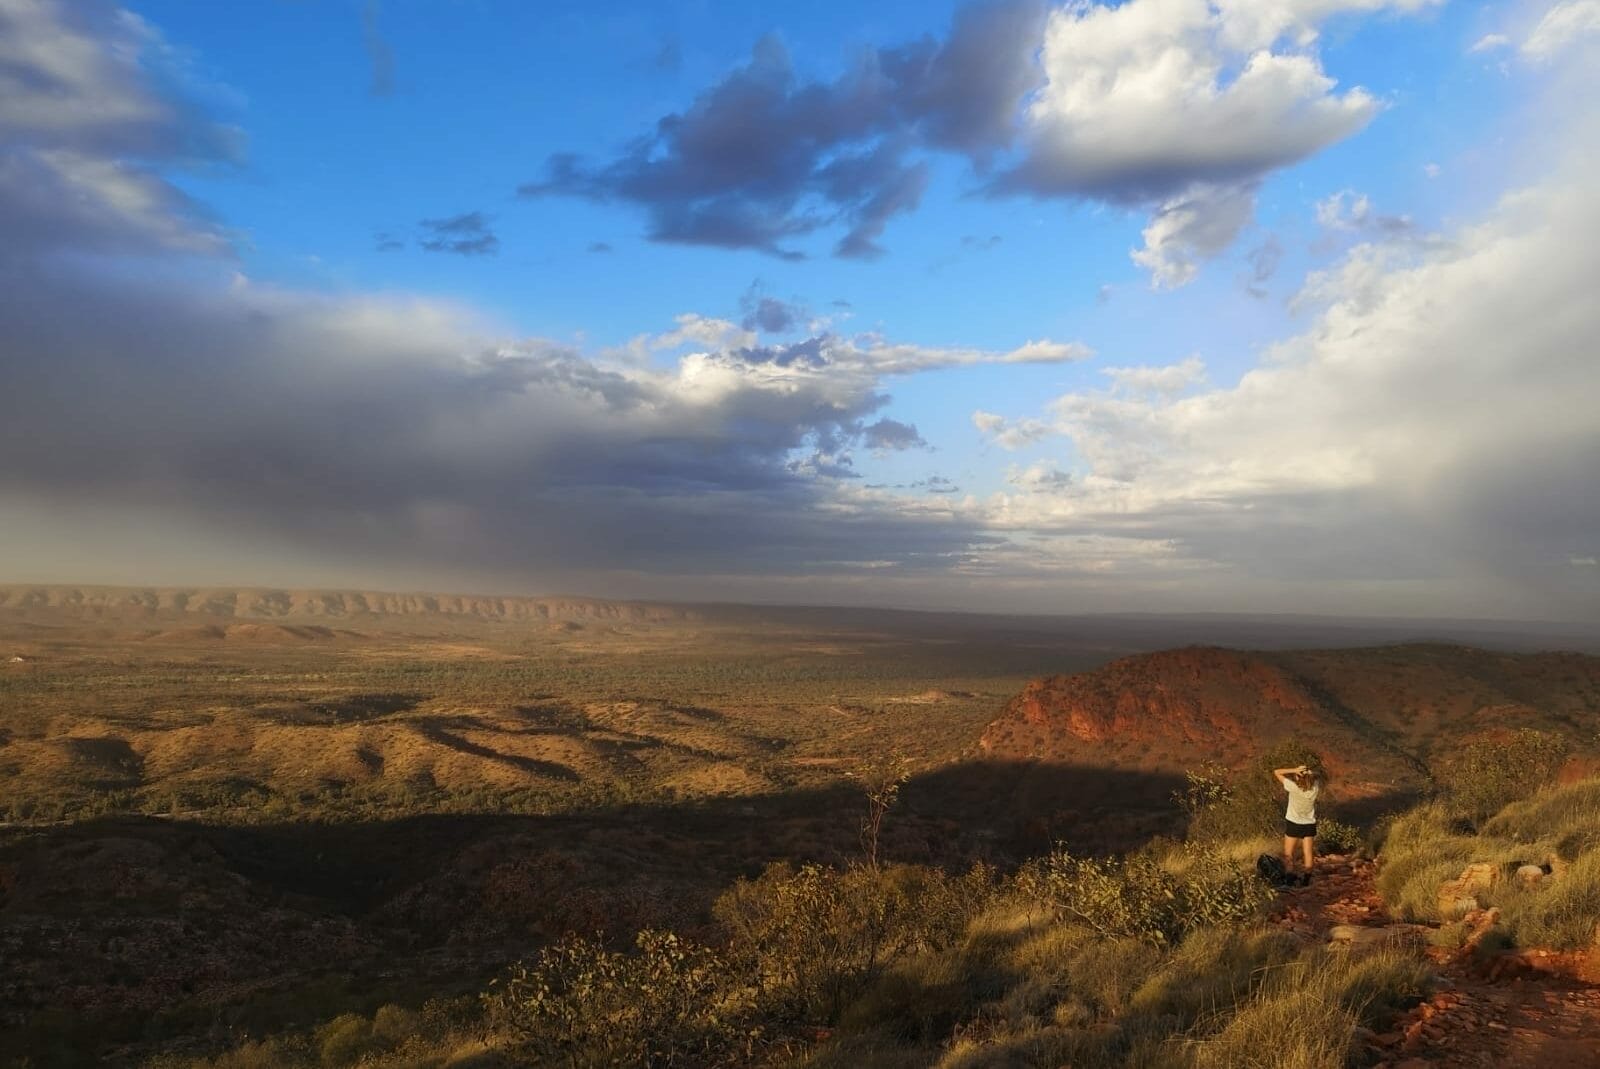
{"x": 103, "y": 603}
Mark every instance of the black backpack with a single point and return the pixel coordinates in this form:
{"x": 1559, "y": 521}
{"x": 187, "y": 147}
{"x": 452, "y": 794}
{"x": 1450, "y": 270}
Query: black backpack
{"x": 1270, "y": 868}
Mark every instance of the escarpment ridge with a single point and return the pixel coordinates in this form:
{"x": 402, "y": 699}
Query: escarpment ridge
{"x": 137, "y": 604}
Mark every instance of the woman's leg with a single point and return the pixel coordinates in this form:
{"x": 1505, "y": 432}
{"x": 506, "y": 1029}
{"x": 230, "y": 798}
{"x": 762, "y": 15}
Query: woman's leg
{"x": 1288, "y": 854}
{"x": 1306, "y": 847}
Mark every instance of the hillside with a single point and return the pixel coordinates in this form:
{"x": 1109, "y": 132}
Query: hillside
{"x": 1382, "y": 715}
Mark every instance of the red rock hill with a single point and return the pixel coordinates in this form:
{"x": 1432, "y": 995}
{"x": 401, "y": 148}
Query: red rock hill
{"x": 1379, "y": 715}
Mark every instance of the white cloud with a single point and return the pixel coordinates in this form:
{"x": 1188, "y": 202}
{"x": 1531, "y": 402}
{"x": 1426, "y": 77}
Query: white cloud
{"x": 1007, "y": 434}
{"x": 1045, "y": 351}
{"x": 1349, "y": 211}
{"x": 1190, "y": 229}
{"x": 1184, "y": 105}
{"x": 83, "y": 132}
{"x": 1167, "y": 381}
{"x": 1434, "y": 425}
{"x": 1490, "y": 42}
{"x": 1564, "y": 25}
{"x": 1039, "y": 477}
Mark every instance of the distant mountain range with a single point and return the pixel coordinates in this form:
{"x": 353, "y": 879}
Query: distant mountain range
{"x": 1110, "y": 634}
{"x": 145, "y": 604}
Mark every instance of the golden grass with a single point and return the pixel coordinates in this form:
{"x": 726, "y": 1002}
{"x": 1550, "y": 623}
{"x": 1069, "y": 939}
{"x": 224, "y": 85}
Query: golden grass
{"x": 1559, "y": 826}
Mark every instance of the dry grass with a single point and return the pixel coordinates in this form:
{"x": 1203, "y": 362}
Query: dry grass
{"x": 1559, "y": 826}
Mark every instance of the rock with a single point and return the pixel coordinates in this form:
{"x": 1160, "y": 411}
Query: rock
{"x": 1359, "y": 937}
{"x": 1530, "y": 875}
{"x": 1480, "y": 876}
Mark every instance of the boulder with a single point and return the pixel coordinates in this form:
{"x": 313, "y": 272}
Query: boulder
{"x": 1530, "y": 875}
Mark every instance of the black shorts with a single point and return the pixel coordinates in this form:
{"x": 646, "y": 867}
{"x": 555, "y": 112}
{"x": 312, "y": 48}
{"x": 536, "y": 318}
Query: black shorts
{"x": 1292, "y": 830}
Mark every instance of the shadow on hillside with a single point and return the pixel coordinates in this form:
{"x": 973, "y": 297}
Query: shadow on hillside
{"x": 996, "y": 811}
{"x": 434, "y": 732}
{"x": 999, "y": 812}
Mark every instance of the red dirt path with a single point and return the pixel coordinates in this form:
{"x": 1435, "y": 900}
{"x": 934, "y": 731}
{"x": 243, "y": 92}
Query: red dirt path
{"x": 1530, "y": 1009}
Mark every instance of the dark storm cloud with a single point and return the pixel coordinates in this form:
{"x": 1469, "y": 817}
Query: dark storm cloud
{"x": 334, "y": 425}
{"x": 467, "y": 234}
{"x": 378, "y": 50}
{"x": 763, "y": 157}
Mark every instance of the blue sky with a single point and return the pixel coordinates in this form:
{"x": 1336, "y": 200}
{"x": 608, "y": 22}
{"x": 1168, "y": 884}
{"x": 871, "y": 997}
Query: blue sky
{"x": 1161, "y": 184}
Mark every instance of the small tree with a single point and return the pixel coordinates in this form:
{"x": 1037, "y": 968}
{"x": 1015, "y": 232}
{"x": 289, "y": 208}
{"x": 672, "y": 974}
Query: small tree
{"x": 880, "y": 780}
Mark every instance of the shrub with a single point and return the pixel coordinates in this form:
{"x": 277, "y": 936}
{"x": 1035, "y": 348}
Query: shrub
{"x": 1337, "y": 837}
{"x": 344, "y": 1039}
{"x": 1140, "y": 898}
{"x": 392, "y": 1025}
{"x": 813, "y": 938}
{"x": 1493, "y": 771}
{"x": 670, "y": 1003}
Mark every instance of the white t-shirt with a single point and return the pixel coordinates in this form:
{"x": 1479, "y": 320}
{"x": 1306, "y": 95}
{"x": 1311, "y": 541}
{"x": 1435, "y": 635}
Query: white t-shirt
{"x": 1302, "y": 804}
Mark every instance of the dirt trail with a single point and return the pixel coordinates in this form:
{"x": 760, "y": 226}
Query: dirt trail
{"x": 1519, "y": 1010}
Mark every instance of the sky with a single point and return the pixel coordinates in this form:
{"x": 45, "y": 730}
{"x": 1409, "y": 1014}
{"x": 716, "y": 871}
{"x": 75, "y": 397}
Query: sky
{"x": 1152, "y": 306}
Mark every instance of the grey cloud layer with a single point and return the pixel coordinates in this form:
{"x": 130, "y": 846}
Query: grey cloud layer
{"x": 379, "y": 425}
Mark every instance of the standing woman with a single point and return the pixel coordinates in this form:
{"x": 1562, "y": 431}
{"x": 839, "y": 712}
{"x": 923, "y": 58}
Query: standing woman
{"x": 1300, "y": 819}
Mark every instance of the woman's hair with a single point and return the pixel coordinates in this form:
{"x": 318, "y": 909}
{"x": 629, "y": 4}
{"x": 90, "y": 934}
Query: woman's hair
{"x": 1304, "y": 780}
